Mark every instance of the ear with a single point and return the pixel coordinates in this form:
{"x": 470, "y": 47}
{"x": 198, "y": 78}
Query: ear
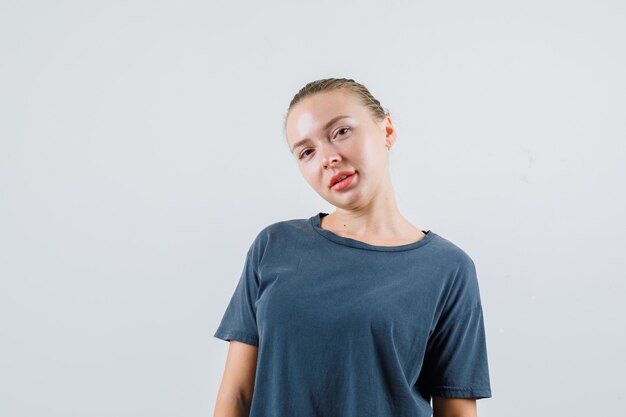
{"x": 390, "y": 132}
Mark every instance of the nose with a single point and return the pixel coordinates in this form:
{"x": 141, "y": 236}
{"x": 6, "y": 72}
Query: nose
{"x": 329, "y": 156}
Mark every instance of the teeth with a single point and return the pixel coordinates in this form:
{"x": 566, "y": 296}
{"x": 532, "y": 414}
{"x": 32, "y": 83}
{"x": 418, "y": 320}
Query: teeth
{"x": 341, "y": 179}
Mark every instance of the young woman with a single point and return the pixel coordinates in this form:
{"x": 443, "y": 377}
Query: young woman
{"x": 358, "y": 312}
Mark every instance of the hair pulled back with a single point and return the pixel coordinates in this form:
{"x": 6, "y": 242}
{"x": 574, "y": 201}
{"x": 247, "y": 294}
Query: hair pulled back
{"x": 330, "y": 84}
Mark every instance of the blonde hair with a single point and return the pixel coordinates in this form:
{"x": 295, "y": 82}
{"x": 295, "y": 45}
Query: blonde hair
{"x": 330, "y": 84}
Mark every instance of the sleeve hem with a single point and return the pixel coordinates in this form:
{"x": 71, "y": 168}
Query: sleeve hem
{"x": 227, "y": 334}
{"x": 457, "y": 392}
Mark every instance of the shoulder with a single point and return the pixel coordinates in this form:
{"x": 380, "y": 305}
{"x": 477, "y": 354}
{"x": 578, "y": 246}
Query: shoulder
{"x": 460, "y": 290}
{"x": 279, "y": 235}
{"x": 281, "y": 229}
{"x": 450, "y": 254}
{"x": 458, "y": 279}
{"x": 285, "y": 226}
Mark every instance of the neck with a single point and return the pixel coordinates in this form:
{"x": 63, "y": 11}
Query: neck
{"x": 381, "y": 219}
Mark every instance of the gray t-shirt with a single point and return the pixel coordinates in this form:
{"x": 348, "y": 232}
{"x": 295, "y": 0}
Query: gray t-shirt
{"x": 349, "y": 329}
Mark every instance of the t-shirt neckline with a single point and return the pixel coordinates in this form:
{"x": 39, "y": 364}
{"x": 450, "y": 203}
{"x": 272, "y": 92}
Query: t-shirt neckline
{"x": 315, "y": 222}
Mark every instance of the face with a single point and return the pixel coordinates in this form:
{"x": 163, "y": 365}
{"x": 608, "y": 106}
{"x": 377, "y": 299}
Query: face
{"x": 332, "y": 132}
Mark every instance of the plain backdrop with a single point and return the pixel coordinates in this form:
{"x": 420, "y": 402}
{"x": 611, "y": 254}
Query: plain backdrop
{"x": 141, "y": 151}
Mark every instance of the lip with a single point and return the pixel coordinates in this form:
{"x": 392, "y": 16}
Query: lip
{"x": 344, "y": 184}
{"x": 335, "y": 177}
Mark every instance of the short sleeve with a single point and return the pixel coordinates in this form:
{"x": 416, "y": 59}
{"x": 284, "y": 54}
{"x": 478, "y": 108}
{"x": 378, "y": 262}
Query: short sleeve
{"x": 239, "y": 319}
{"x": 456, "y": 362}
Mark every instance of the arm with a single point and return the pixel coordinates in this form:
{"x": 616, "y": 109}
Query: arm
{"x": 454, "y": 407}
{"x": 235, "y": 394}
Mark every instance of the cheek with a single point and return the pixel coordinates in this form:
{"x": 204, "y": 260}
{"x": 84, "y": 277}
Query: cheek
{"x": 368, "y": 153}
{"x": 310, "y": 175}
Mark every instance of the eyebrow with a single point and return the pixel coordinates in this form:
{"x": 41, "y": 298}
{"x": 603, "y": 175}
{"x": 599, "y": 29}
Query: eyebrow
{"x": 326, "y": 126}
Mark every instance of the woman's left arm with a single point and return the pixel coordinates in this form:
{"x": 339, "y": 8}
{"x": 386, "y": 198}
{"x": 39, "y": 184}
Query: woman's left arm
{"x": 454, "y": 407}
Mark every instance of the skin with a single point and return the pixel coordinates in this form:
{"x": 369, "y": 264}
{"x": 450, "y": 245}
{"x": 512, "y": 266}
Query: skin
{"x": 234, "y": 396}
{"x": 366, "y": 211}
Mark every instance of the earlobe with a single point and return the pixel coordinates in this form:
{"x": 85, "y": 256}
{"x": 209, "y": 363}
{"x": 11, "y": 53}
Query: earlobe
{"x": 391, "y": 138}
{"x": 390, "y": 133}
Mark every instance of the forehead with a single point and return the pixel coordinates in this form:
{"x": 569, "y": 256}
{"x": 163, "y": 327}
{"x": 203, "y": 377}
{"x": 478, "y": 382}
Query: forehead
{"x": 309, "y": 116}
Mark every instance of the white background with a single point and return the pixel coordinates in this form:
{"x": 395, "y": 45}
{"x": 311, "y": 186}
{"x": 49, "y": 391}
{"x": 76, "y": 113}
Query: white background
{"x": 141, "y": 151}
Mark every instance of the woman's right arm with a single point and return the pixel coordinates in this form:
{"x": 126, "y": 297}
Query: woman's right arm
{"x": 235, "y": 394}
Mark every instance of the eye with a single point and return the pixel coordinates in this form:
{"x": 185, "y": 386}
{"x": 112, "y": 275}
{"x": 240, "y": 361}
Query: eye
{"x": 341, "y": 132}
{"x": 343, "y": 129}
{"x": 302, "y": 154}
